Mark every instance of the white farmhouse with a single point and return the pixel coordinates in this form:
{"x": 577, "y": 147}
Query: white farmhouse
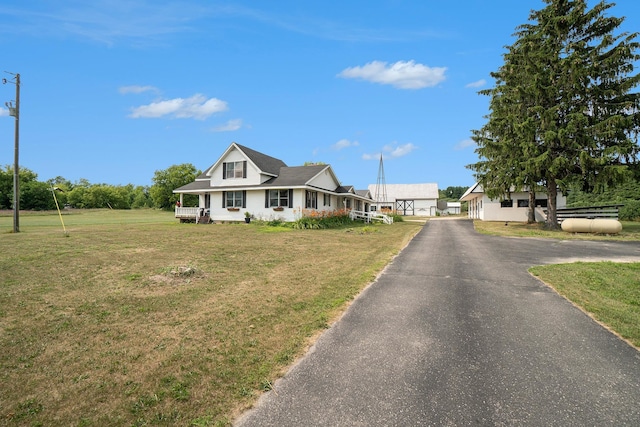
{"x": 246, "y": 182}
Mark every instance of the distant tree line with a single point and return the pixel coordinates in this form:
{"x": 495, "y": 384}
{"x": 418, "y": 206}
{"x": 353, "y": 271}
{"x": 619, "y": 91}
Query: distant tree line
{"x": 38, "y": 195}
{"x": 451, "y": 194}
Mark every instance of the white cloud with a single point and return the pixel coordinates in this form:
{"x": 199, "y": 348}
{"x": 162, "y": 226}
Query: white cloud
{"x": 195, "y": 107}
{"x": 230, "y": 126}
{"x": 137, "y": 89}
{"x": 402, "y": 74}
{"x": 464, "y": 144}
{"x": 479, "y": 83}
{"x": 4, "y": 112}
{"x": 392, "y": 151}
{"x": 399, "y": 151}
{"x": 344, "y": 143}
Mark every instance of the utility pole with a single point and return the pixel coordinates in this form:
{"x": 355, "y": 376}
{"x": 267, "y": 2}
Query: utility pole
{"x": 15, "y": 112}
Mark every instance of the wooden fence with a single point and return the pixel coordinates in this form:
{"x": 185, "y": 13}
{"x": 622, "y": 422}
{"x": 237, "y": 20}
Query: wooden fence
{"x": 589, "y": 212}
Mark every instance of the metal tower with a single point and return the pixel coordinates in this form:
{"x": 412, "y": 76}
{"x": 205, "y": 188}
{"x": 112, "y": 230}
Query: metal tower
{"x": 381, "y": 187}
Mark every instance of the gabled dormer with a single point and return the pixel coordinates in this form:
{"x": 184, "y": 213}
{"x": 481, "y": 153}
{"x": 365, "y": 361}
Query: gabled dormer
{"x": 242, "y": 166}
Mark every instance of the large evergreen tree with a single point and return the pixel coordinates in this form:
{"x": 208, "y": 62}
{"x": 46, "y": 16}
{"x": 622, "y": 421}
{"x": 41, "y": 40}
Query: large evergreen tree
{"x": 563, "y": 108}
{"x": 507, "y": 134}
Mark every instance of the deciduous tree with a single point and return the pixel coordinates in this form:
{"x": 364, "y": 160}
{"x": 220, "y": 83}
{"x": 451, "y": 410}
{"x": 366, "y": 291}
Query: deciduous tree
{"x": 167, "y": 180}
{"x": 6, "y": 184}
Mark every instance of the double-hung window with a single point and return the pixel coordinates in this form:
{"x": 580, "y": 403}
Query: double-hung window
{"x": 278, "y": 198}
{"x": 231, "y": 170}
{"x": 327, "y": 199}
{"x": 311, "y": 200}
{"x": 234, "y": 199}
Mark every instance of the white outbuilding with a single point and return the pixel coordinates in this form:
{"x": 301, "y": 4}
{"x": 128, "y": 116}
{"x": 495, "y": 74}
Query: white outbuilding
{"x": 407, "y": 199}
{"x": 512, "y": 208}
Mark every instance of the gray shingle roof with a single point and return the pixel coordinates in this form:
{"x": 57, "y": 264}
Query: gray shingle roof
{"x": 203, "y": 175}
{"x": 344, "y": 189}
{"x": 285, "y": 176}
{"x": 265, "y": 163}
{"x": 294, "y": 175}
{"x": 196, "y": 185}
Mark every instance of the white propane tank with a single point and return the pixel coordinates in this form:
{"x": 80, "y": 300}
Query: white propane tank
{"x": 598, "y": 225}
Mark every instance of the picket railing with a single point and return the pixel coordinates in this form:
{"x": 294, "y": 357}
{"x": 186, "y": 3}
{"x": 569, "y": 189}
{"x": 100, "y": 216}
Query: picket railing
{"x": 370, "y": 216}
{"x": 186, "y": 212}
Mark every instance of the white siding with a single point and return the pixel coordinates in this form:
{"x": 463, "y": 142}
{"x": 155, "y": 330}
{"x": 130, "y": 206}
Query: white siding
{"x": 425, "y": 207}
{"x": 424, "y": 197}
{"x": 253, "y": 174}
{"x": 324, "y": 180}
{"x": 255, "y": 205}
{"x": 453, "y": 208}
{"x": 483, "y": 208}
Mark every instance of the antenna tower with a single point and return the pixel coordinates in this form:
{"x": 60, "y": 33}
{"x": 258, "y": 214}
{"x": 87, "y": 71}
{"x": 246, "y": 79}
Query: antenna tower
{"x": 381, "y": 186}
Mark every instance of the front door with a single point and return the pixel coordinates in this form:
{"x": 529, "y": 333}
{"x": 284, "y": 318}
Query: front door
{"x": 404, "y": 207}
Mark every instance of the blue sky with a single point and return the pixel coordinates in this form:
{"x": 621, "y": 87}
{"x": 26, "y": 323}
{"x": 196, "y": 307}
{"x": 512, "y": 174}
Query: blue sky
{"x": 113, "y": 90}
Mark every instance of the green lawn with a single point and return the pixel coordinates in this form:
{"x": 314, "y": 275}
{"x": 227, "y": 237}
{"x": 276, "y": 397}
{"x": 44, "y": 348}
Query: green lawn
{"x": 131, "y": 318}
{"x": 609, "y": 291}
{"x": 630, "y": 231}
{"x": 43, "y": 221}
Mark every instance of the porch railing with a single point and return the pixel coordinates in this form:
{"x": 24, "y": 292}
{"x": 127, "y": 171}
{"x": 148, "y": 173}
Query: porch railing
{"x": 186, "y": 212}
{"x": 370, "y": 216}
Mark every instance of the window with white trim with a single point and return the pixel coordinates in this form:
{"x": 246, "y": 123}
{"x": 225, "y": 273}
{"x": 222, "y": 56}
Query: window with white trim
{"x": 234, "y": 170}
{"x": 278, "y": 198}
{"x": 233, "y": 199}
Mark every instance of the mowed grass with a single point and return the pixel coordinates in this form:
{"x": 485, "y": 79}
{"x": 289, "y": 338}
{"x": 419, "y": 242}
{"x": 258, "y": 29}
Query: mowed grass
{"x": 131, "y": 318}
{"x": 609, "y": 291}
{"x": 630, "y": 231}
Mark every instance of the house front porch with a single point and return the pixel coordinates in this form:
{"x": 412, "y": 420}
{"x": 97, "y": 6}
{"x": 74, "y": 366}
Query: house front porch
{"x": 197, "y": 215}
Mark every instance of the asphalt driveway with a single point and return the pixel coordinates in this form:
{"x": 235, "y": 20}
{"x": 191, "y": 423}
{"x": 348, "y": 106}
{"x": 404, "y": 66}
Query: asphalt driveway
{"x": 456, "y": 332}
